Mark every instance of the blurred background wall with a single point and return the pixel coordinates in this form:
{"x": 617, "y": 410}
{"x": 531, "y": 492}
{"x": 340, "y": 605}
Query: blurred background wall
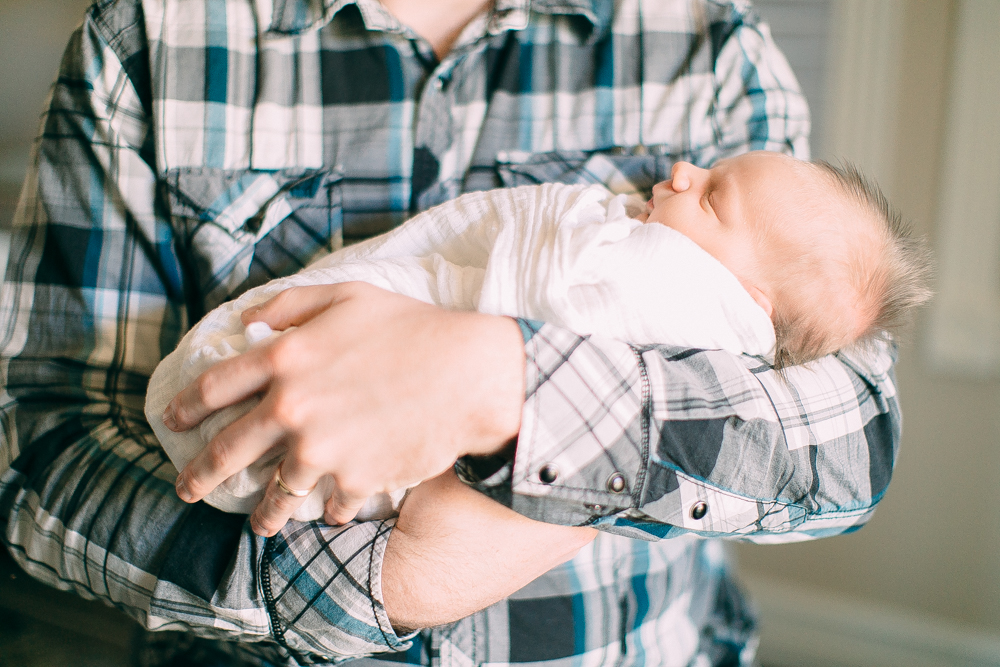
{"x": 920, "y": 585}
{"x": 925, "y": 572}
{"x": 33, "y": 34}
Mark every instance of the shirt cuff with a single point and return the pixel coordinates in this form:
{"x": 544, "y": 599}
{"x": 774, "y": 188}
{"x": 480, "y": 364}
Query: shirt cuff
{"x": 323, "y": 589}
{"x": 583, "y": 444}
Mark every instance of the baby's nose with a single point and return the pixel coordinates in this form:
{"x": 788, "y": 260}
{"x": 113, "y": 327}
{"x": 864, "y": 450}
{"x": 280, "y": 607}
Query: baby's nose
{"x": 685, "y": 169}
{"x": 682, "y": 174}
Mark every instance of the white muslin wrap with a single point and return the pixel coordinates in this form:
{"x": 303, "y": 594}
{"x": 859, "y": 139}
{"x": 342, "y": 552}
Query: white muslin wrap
{"x": 569, "y": 255}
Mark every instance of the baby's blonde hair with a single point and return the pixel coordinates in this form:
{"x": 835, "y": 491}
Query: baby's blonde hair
{"x": 883, "y": 269}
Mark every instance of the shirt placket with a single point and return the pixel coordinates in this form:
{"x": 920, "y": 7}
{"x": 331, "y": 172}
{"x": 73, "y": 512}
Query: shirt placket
{"x": 435, "y": 163}
{"x": 449, "y": 117}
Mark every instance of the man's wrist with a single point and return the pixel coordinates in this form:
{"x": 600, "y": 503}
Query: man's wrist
{"x": 497, "y": 386}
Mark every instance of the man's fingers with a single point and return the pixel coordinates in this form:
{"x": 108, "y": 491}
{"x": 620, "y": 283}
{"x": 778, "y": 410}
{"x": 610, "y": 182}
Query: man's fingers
{"x": 295, "y": 306}
{"x": 341, "y": 507}
{"x": 284, "y": 494}
{"x": 234, "y": 448}
{"x": 222, "y": 385}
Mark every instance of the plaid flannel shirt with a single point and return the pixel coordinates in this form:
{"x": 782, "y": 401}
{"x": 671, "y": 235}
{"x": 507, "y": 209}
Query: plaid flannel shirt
{"x": 193, "y": 148}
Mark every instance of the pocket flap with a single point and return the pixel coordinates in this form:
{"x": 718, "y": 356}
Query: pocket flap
{"x": 222, "y": 216}
{"x": 620, "y": 171}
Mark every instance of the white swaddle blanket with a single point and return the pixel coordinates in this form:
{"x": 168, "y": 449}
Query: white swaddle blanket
{"x": 569, "y": 255}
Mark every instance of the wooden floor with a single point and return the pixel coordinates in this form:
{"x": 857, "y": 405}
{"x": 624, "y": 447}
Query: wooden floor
{"x": 43, "y": 627}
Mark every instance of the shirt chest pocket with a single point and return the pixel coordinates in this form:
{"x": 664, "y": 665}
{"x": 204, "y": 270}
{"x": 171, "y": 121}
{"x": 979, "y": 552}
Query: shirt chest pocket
{"x": 240, "y": 229}
{"x": 621, "y": 171}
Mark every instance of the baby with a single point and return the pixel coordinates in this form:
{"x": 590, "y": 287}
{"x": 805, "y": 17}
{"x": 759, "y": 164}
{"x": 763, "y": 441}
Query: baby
{"x": 762, "y": 254}
{"x": 819, "y": 248}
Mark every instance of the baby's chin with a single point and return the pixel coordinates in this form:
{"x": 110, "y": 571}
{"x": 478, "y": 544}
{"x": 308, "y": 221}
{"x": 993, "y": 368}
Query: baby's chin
{"x": 646, "y": 211}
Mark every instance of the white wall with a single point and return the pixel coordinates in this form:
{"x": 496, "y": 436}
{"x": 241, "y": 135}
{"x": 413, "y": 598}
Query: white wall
{"x": 932, "y": 551}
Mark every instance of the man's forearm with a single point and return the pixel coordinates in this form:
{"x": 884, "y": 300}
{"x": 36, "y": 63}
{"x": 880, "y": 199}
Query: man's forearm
{"x": 454, "y": 552}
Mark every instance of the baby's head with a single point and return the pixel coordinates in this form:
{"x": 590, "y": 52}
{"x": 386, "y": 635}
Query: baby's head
{"x": 817, "y": 246}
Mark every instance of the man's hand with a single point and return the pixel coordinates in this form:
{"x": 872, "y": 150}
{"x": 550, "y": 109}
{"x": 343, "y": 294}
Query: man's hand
{"x": 454, "y": 551}
{"x": 378, "y": 390}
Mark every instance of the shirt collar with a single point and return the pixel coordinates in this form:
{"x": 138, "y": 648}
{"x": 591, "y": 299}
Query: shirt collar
{"x": 293, "y": 17}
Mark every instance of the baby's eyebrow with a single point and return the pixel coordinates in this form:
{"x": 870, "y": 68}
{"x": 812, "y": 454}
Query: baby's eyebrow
{"x": 723, "y": 180}
{"x": 715, "y": 181}
{"x": 719, "y": 174}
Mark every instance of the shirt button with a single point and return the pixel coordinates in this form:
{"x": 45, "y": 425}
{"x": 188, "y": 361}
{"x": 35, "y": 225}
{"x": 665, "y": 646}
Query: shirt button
{"x": 616, "y": 483}
{"x": 699, "y": 510}
{"x": 438, "y": 83}
{"x": 548, "y": 474}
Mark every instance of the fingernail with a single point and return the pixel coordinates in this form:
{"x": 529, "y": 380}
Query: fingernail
{"x": 168, "y": 417}
{"x": 182, "y": 491}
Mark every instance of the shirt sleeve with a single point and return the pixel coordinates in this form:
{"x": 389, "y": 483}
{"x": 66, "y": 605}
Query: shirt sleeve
{"x": 655, "y": 441}
{"x": 92, "y": 299}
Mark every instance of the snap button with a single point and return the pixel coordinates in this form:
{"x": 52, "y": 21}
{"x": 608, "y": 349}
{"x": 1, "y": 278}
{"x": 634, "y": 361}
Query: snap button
{"x": 548, "y": 474}
{"x": 616, "y": 483}
{"x": 699, "y": 510}
{"x": 438, "y": 83}
{"x": 594, "y": 508}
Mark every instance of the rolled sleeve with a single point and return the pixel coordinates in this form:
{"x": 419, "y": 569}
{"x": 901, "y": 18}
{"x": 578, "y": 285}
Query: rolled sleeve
{"x": 322, "y": 587}
{"x": 656, "y": 441}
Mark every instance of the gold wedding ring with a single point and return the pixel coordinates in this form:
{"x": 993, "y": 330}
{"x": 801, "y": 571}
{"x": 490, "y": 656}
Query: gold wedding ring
{"x": 296, "y": 493}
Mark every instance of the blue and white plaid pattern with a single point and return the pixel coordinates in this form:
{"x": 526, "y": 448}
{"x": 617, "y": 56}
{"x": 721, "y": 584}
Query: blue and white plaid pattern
{"x": 194, "y": 148}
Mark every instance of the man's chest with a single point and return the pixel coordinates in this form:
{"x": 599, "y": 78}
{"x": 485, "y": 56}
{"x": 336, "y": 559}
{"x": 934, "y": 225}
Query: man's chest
{"x": 275, "y": 150}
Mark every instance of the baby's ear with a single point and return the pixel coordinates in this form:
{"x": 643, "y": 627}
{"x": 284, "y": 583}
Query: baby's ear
{"x": 759, "y": 297}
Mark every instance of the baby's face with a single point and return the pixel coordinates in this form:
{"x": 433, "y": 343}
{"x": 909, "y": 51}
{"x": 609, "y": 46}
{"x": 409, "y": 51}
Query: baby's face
{"x": 720, "y": 208}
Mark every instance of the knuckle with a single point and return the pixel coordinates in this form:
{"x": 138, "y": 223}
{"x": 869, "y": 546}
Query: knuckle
{"x": 207, "y": 388}
{"x": 284, "y": 504}
{"x": 280, "y": 505}
{"x": 283, "y": 297}
{"x": 311, "y": 457}
{"x": 181, "y": 413}
{"x": 218, "y": 456}
{"x": 286, "y": 411}
{"x": 283, "y": 353}
{"x": 352, "y": 495}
